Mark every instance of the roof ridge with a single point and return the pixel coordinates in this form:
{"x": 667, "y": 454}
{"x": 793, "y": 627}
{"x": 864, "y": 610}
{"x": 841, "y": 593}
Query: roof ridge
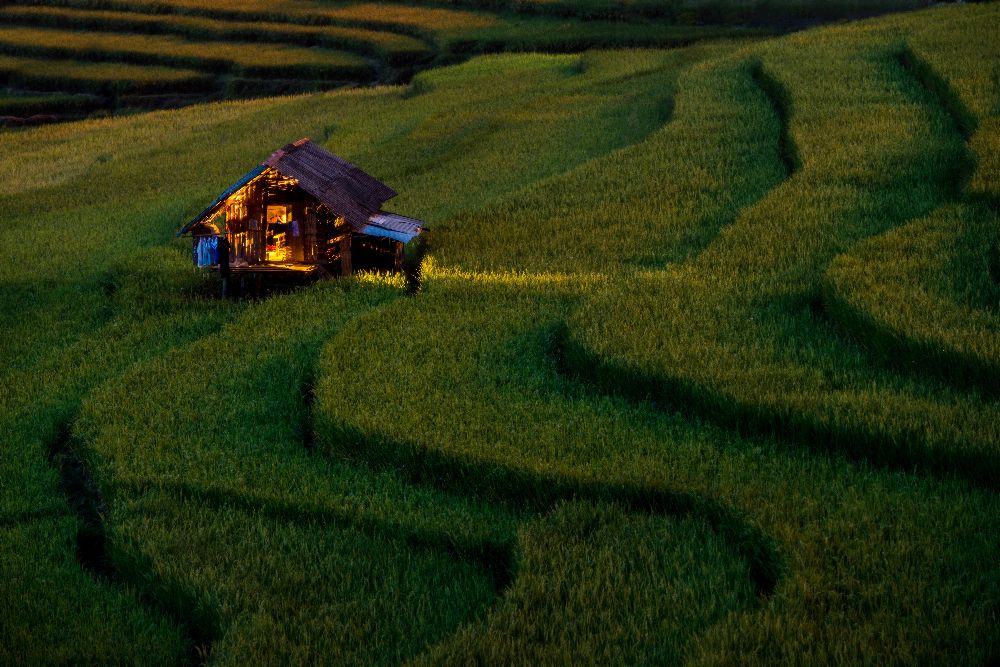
{"x": 285, "y": 150}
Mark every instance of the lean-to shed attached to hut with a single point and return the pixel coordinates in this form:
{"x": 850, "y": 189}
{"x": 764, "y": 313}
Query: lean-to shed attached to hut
{"x": 302, "y": 211}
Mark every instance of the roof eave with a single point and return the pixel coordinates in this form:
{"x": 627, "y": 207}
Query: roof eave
{"x": 213, "y": 207}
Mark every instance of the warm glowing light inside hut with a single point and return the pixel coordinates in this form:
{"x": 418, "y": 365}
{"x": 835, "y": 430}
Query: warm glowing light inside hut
{"x": 279, "y": 222}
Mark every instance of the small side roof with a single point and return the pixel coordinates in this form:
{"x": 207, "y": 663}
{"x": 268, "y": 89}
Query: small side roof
{"x": 393, "y": 226}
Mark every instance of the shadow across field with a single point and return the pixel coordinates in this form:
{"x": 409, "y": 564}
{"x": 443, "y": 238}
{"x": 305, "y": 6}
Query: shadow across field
{"x": 117, "y": 567}
{"x": 895, "y": 349}
{"x": 780, "y": 100}
{"x": 753, "y": 420}
{"x": 535, "y": 492}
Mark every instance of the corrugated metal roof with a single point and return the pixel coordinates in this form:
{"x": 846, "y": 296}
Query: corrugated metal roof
{"x": 208, "y": 212}
{"x": 393, "y": 226}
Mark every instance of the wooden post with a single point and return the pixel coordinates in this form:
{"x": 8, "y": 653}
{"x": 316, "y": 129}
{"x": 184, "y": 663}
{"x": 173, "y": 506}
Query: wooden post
{"x": 398, "y": 266}
{"x": 223, "y": 254}
{"x": 345, "y": 255}
{"x": 310, "y": 253}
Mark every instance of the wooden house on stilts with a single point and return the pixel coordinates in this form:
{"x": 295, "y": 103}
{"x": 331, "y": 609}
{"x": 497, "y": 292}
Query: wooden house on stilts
{"x": 303, "y": 212}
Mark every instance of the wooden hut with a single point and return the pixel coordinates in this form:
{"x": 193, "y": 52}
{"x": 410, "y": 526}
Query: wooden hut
{"x": 302, "y": 211}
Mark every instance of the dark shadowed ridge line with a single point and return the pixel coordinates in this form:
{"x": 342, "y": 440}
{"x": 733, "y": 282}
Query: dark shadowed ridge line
{"x": 540, "y": 492}
{"x": 781, "y": 102}
{"x": 80, "y": 490}
{"x": 964, "y": 120}
{"x": 905, "y": 453}
{"x": 494, "y": 557}
{"x": 92, "y": 548}
{"x": 898, "y": 352}
{"x": 890, "y": 347}
{"x": 787, "y": 154}
{"x": 944, "y": 96}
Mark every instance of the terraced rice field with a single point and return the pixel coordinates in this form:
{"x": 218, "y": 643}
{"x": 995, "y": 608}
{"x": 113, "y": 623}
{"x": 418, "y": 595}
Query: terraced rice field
{"x": 123, "y": 51}
{"x": 702, "y": 368}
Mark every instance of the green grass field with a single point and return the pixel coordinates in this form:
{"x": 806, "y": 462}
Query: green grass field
{"x": 702, "y": 368}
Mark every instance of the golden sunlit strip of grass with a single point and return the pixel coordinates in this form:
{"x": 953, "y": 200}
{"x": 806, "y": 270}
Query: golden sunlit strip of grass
{"x": 98, "y": 77}
{"x": 256, "y": 59}
{"x": 394, "y": 46}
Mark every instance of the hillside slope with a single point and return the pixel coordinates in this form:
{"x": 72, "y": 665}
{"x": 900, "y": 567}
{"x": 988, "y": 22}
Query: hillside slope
{"x": 684, "y": 381}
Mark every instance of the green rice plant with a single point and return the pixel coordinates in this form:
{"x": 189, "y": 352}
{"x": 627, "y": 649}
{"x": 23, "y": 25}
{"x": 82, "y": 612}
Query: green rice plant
{"x": 866, "y": 558}
{"x": 302, "y": 591}
{"x": 734, "y": 335}
{"x": 459, "y": 144}
{"x": 394, "y": 47}
{"x": 99, "y": 78}
{"x": 52, "y": 612}
{"x": 263, "y": 543}
{"x": 255, "y": 59}
{"x": 266, "y": 463}
{"x": 922, "y": 296}
{"x": 277, "y": 474}
{"x": 81, "y": 302}
{"x": 962, "y": 48}
{"x": 657, "y": 200}
{"x": 30, "y": 104}
{"x": 231, "y": 508}
{"x": 581, "y": 567}
{"x": 112, "y": 307}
